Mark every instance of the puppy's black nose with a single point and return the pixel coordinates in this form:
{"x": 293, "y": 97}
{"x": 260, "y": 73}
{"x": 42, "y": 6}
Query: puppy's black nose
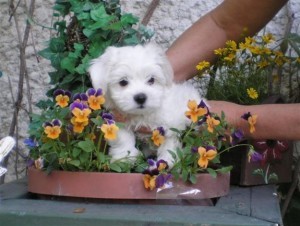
{"x": 140, "y": 98}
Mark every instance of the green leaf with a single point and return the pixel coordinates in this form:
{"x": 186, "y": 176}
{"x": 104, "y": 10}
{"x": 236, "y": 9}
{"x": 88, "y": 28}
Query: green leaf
{"x": 78, "y": 47}
{"x": 84, "y": 157}
{"x": 129, "y": 19}
{"x": 88, "y": 32}
{"x": 87, "y": 145}
{"x": 225, "y": 169}
{"x": 133, "y": 40}
{"x": 175, "y": 130}
{"x": 193, "y": 179}
{"x": 76, "y": 152}
{"x": 99, "y": 14}
{"x": 74, "y": 163}
{"x": 188, "y": 140}
{"x": 67, "y": 80}
{"x": 97, "y": 121}
{"x": 273, "y": 176}
{"x": 115, "y": 167}
{"x": 212, "y": 172}
{"x": 174, "y": 156}
{"x": 69, "y": 63}
{"x": 184, "y": 174}
{"x": 84, "y": 16}
{"x": 57, "y": 45}
{"x": 102, "y": 157}
{"x": 46, "y": 146}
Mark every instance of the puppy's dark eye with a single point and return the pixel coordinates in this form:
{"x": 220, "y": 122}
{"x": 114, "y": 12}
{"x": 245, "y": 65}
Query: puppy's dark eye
{"x": 123, "y": 82}
{"x": 151, "y": 81}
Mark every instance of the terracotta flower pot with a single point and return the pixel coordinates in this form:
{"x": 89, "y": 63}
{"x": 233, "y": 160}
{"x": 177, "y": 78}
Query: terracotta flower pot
{"x": 121, "y": 186}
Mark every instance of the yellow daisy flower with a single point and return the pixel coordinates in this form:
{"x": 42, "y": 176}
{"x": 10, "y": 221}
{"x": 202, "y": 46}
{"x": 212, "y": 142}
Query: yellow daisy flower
{"x": 252, "y": 93}
{"x": 202, "y": 65}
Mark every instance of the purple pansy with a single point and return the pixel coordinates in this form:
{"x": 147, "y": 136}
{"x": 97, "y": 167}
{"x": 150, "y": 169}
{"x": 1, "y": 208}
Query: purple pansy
{"x": 202, "y": 104}
{"x": 93, "y": 92}
{"x": 161, "y": 130}
{"x": 80, "y": 97}
{"x": 54, "y": 122}
{"x": 237, "y": 136}
{"x": 78, "y": 105}
{"x": 108, "y": 118}
{"x": 31, "y": 143}
{"x": 62, "y": 92}
{"x": 162, "y": 179}
{"x": 255, "y": 156}
{"x": 246, "y": 116}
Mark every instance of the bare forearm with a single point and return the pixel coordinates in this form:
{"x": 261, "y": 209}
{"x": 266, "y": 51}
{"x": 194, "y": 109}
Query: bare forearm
{"x": 229, "y": 21}
{"x": 275, "y": 121}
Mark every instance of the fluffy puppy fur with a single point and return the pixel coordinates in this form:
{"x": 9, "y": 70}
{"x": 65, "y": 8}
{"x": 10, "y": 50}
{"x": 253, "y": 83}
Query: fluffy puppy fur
{"x": 138, "y": 83}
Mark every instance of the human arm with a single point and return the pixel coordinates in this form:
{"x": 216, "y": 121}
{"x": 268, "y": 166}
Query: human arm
{"x": 274, "y": 121}
{"x": 231, "y": 20}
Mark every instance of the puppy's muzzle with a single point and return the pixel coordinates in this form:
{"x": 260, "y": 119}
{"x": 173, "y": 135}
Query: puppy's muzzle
{"x": 140, "y": 98}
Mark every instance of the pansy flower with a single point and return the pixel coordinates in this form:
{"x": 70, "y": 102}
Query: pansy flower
{"x": 155, "y": 175}
{"x": 149, "y": 181}
{"x": 161, "y": 165}
{"x": 254, "y": 156}
{"x": 78, "y": 127}
{"x": 155, "y": 167}
{"x": 110, "y": 131}
{"x": 252, "y": 119}
{"x": 152, "y": 168}
{"x": 206, "y": 154}
{"x": 162, "y": 180}
{"x": 211, "y": 123}
{"x": 271, "y": 150}
{"x": 80, "y": 111}
{"x": 236, "y": 137}
{"x": 158, "y": 136}
{"x": 53, "y": 128}
{"x": 62, "y": 97}
{"x": 95, "y": 98}
{"x": 108, "y": 118}
{"x": 195, "y": 110}
{"x": 31, "y": 143}
{"x": 80, "y": 97}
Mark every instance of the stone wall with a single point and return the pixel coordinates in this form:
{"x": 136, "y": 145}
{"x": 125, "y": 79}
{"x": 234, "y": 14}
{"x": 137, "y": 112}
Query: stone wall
{"x": 169, "y": 20}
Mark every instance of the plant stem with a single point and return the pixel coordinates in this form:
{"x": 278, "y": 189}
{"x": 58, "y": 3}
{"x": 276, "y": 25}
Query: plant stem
{"x": 266, "y": 174}
{"x": 238, "y": 145}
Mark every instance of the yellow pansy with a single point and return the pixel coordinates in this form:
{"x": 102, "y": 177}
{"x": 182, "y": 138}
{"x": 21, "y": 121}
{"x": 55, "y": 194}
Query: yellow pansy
{"x": 205, "y": 156}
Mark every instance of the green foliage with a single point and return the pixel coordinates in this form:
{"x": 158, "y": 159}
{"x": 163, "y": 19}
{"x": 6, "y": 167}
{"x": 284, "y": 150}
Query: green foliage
{"x": 84, "y": 28}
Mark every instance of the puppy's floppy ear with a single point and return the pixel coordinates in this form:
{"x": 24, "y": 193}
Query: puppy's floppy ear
{"x": 163, "y": 61}
{"x": 99, "y": 71}
{"x": 100, "y": 68}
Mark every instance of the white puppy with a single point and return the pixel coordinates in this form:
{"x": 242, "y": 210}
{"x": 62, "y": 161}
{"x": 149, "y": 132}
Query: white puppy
{"x": 138, "y": 83}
